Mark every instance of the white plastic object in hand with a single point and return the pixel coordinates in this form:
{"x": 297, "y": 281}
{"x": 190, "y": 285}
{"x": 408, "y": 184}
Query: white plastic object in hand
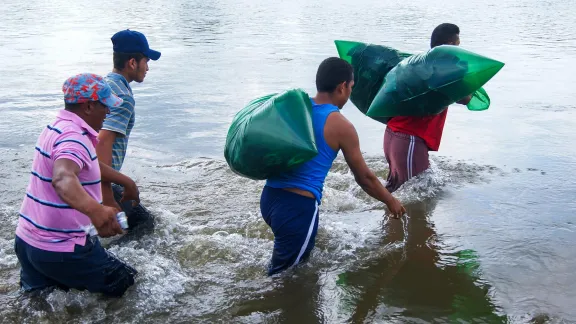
{"x": 122, "y": 220}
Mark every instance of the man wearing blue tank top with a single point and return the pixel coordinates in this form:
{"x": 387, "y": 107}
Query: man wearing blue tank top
{"x": 289, "y": 202}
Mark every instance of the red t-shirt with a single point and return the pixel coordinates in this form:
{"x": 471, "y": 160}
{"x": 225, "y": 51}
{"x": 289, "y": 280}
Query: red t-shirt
{"x": 428, "y": 128}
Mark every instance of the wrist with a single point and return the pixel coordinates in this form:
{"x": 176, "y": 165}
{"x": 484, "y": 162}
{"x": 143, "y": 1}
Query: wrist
{"x": 388, "y": 198}
{"x": 124, "y": 180}
{"x": 93, "y": 209}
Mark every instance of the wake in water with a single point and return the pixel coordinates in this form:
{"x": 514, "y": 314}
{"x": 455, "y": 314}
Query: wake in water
{"x": 206, "y": 259}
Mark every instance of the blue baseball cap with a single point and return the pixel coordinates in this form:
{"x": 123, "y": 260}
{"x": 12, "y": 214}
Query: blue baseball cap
{"x": 131, "y": 41}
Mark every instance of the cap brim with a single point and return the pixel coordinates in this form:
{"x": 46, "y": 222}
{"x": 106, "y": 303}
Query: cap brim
{"x": 153, "y": 55}
{"x": 112, "y": 101}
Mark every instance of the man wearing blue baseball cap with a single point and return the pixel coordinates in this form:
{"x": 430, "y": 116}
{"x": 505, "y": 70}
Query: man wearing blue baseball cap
{"x": 131, "y": 56}
{"x": 63, "y": 198}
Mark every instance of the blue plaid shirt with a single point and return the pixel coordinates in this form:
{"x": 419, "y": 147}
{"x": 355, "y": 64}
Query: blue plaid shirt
{"x": 121, "y": 119}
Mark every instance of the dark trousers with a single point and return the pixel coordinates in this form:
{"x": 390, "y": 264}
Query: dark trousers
{"x": 89, "y": 267}
{"x": 293, "y": 219}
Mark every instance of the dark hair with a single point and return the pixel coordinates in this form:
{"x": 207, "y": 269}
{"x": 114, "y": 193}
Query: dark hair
{"x": 332, "y": 72}
{"x": 120, "y": 59}
{"x": 71, "y": 107}
{"x": 444, "y": 34}
{"x": 75, "y": 106}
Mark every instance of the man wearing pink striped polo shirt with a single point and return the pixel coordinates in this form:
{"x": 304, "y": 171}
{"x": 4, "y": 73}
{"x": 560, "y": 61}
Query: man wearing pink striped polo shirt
{"x": 64, "y": 196}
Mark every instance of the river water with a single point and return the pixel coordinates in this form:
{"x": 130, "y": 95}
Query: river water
{"x": 490, "y": 231}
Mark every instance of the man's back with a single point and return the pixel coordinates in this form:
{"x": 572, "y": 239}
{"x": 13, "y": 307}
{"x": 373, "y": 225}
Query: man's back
{"x": 428, "y": 128}
{"x": 310, "y": 176}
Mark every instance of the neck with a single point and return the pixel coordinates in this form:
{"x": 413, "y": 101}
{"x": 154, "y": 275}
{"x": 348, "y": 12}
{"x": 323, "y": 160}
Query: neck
{"x": 80, "y": 113}
{"x": 124, "y": 74}
{"x": 323, "y": 98}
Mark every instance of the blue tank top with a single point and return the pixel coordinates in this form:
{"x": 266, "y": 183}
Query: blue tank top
{"x": 310, "y": 176}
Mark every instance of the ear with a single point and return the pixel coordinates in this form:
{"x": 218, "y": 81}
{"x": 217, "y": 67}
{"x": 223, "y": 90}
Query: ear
{"x": 132, "y": 64}
{"x": 89, "y": 107}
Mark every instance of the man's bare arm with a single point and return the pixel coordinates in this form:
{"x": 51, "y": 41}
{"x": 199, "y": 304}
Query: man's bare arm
{"x": 67, "y": 186}
{"x": 368, "y": 181}
{"x": 104, "y": 148}
{"x": 106, "y": 140}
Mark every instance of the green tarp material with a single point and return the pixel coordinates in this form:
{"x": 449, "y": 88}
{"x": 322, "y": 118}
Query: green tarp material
{"x": 424, "y": 84}
{"x": 422, "y": 77}
{"x": 271, "y": 135}
{"x": 371, "y": 63}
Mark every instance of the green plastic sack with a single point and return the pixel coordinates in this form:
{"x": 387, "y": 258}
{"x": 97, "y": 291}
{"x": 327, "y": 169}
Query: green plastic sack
{"x": 480, "y": 101}
{"x": 424, "y": 84}
{"x": 371, "y": 63}
{"x": 271, "y": 135}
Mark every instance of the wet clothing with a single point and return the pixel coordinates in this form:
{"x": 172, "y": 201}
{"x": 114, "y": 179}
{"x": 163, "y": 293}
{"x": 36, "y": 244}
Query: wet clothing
{"x": 428, "y": 128}
{"x": 310, "y": 176}
{"x": 52, "y": 247}
{"x": 407, "y": 141}
{"x": 407, "y": 157}
{"x": 293, "y": 219}
{"x": 89, "y": 267}
{"x": 46, "y": 222}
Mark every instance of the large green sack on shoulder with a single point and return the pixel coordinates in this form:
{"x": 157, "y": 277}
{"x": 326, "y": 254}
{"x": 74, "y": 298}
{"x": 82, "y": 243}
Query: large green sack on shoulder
{"x": 371, "y": 63}
{"x": 425, "y": 84}
{"x": 271, "y": 135}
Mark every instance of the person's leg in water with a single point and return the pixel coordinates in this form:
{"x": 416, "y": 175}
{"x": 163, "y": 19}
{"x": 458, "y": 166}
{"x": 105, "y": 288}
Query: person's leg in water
{"x": 407, "y": 157}
{"x": 294, "y": 221}
{"x": 139, "y": 218}
{"x": 89, "y": 267}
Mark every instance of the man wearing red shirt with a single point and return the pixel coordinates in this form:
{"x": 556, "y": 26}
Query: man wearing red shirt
{"x": 407, "y": 140}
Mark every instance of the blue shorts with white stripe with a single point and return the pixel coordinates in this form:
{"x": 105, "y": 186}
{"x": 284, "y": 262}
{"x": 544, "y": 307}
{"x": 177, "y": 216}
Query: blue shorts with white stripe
{"x": 293, "y": 219}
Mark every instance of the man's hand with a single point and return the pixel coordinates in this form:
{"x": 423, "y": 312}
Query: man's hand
{"x": 106, "y": 223}
{"x": 110, "y": 176}
{"x": 131, "y": 192}
{"x": 396, "y": 208}
{"x": 464, "y": 101}
{"x": 108, "y": 196}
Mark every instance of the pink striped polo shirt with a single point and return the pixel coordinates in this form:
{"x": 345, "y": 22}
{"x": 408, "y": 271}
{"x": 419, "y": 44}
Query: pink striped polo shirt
{"x": 46, "y": 222}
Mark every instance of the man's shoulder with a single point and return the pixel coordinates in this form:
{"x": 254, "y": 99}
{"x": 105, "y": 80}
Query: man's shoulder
{"x": 338, "y": 129}
{"x": 114, "y": 77}
{"x": 75, "y": 144}
{"x": 125, "y": 93}
{"x": 80, "y": 137}
{"x": 70, "y": 130}
{"x": 337, "y": 121}
{"x": 118, "y": 84}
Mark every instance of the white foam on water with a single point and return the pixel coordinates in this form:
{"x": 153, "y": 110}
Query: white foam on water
{"x": 8, "y": 258}
{"x": 210, "y": 247}
{"x": 159, "y": 280}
